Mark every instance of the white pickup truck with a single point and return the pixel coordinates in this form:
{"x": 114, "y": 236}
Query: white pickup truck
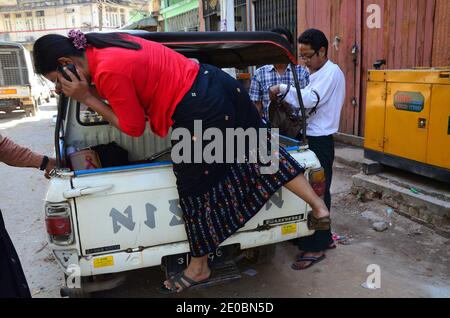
{"x": 111, "y": 220}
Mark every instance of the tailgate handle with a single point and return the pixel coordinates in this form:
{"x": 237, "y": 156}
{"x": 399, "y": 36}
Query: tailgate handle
{"x": 75, "y": 193}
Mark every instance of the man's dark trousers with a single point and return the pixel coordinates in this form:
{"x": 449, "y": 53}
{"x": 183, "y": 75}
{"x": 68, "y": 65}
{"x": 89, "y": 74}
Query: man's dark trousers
{"x": 323, "y": 147}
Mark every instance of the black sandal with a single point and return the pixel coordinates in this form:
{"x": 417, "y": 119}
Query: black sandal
{"x": 183, "y": 281}
{"x": 323, "y": 223}
{"x": 312, "y": 259}
{"x": 332, "y": 246}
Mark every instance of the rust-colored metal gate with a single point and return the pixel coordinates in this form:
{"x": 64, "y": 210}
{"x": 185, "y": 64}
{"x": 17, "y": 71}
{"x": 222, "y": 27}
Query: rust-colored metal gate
{"x": 270, "y": 14}
{"x": 413, "y": 33}
{"x": 340, "y": 21}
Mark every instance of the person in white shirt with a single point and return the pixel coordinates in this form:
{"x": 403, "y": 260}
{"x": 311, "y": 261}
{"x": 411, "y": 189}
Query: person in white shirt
{"x": 323, "y": 99}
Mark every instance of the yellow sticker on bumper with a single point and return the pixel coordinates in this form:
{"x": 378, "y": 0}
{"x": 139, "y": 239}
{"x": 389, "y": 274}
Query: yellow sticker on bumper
{"x": 8, "y": 91}
{"x": 103, "y": 261}
{"x": 289, "y": 229}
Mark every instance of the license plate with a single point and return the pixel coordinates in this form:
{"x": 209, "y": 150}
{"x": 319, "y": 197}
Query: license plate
{"x": 174, "y": 264}
{"x": 9, "y": 102}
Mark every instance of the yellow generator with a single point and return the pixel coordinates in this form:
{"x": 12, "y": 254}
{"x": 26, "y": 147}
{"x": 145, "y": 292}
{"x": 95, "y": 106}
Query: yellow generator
{"x": 408, "y": 120}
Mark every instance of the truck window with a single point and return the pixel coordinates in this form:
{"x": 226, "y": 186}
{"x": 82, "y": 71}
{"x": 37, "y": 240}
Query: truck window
{"x": 88, "y": 117}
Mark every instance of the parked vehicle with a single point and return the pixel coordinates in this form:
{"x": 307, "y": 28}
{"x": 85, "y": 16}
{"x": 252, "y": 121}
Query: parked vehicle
{"x": 20, "y": 87}
{"x": 44, "y": 87}
{"x": 51, "y": 87}
{"x": 107, "y": 221}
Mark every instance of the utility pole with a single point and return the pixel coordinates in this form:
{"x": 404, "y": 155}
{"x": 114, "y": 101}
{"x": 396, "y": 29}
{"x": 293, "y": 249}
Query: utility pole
{"x": 227, "y": 15}
{"x": 100, "y": 4}
{"x": 227, "y": 24}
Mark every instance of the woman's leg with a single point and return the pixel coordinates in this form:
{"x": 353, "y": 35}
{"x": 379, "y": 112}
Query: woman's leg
{"x": 197, "y": 270}
{"x": 300, "y": 187}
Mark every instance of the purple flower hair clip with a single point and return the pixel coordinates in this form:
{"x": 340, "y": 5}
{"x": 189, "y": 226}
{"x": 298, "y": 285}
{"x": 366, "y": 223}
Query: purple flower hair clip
{"x": 78, "y": 38}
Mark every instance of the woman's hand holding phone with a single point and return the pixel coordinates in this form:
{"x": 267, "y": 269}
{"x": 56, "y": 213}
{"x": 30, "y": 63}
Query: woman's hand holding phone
{"x": 58, "y": 86}
{"x": 80, "y": 90}
{"x": 77, "y": 89}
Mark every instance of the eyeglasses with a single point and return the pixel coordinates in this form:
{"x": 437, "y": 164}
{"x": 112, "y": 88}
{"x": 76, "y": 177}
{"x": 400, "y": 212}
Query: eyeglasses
{"x": 308, "y": 57}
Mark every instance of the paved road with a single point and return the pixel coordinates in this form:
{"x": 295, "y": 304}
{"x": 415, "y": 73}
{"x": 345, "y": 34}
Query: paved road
{"x": 414, "y": 261}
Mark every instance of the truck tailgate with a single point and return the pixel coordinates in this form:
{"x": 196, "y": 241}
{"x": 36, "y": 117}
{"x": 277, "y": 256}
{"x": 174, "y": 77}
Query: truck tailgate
{"x": 7, "y": 92}
{"x": 138, "y": 207}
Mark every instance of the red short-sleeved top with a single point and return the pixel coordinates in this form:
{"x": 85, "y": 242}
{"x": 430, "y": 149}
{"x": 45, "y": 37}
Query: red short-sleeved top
{"x": 145, "y": 83}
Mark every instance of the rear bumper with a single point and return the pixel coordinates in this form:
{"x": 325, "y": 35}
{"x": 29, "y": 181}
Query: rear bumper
{"x": 10, "y": 104}
{"x": 152, "y": 256}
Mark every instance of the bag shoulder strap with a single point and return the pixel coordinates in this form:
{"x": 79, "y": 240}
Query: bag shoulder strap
{"x": 314, "y": 109}
{"x": 282, "y": 97}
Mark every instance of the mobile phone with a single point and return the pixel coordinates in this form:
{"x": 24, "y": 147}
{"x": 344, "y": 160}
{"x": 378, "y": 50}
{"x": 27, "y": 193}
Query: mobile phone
{"x": 71, "y": 68}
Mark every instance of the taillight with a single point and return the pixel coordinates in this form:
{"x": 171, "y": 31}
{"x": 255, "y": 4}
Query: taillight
{"x": 58, "y": 225}
{"x": 317, "y": 181}
{"x": 58, "y": 222}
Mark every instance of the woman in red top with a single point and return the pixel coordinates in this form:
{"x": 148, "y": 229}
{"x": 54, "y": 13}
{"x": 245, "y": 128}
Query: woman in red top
{"x": 142, "y": 80}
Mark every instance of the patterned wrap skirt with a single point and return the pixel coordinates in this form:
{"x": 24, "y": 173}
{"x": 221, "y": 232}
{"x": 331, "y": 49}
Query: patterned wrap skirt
{"x": 217, "y": 199}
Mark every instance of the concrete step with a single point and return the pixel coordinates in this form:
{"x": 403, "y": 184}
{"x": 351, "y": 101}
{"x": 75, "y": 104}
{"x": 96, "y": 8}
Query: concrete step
{"x": 421, "y": 199}
{"x": 349, "y": 155}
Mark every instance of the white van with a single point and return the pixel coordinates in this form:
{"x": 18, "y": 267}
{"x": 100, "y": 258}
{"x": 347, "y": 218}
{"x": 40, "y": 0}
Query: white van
{"x": 20, "y": 87}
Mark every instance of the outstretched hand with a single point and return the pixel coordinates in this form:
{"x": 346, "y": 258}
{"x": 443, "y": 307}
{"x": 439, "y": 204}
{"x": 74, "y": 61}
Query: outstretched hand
{"x": 274, "y": 91}
{"x": 50, "y": 166}
{"x": 77, "y": 89}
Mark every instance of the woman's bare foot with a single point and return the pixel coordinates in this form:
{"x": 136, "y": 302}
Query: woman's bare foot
{"x": 320, "y": 210}
{"x": 197, "y": 271}
{"x": 301, "y": 187}
{"x": 198, "y": 274}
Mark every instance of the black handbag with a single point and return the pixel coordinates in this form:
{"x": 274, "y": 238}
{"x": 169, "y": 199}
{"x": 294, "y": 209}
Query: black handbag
{"x": 287, "y": 118}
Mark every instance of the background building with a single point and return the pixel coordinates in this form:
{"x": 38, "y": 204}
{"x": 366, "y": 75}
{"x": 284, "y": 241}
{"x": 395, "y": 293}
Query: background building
{"x": 24, "y": 21}
{"x": 211, "y": 11}
{"x": 180, "y": 15}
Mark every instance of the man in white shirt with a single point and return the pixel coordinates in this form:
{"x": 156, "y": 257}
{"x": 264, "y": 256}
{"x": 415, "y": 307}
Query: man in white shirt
{"x": 271, "y": 75}
{"x": 323, "y": 99}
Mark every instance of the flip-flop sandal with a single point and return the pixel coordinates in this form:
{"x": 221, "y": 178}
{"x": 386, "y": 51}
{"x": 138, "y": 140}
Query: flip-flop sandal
{"x": 183, "y": 281}
{"x": 332, "y": 246}
{"x": 323, "y": 223}
{"x": 312, "y": 259}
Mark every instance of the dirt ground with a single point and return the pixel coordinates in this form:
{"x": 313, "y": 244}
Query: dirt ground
{"x": 413, "y": 260}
